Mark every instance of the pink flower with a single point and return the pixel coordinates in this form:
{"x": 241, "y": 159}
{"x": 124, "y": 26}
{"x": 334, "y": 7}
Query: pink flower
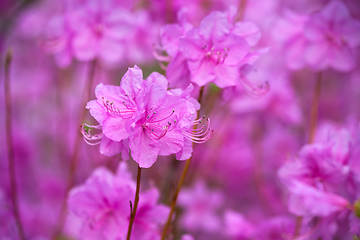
{"x": 237, "y": 226}
{"x": 146, "y": 117}
{"x": 214, "y": 52}
{"x": 200, "y": 203}
{"x": 316, "y": 181}
{"x": 106, "y": 30}
{"x": 328, "y": 40}
{"x": 102, "y": 205}
{"x": 305, "y": 200}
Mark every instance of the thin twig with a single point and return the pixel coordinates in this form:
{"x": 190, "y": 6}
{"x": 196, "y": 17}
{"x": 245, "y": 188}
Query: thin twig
{"x": 77, "y": 143}
{"x": 315, "y": 108}
{"x": 136, "y": 202}
{"x": 10, "y": 146}
{"x": 181, "y": 181}
{"x": 241, "y": 10}
{"x": 313, "y": 123}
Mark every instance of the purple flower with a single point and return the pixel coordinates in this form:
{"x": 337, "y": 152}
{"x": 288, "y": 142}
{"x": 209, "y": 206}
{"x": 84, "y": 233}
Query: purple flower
{"x": 200, "y": 203}
{"x": 321, "y": 182}
{"x": 237, "y": 226}
{"x": 106, "y": 30}
{"x": 144, "y": 116}
{"x": 328, "y": 40}
{"x": 214, "y": 52}
{"x": 102, "y": 205}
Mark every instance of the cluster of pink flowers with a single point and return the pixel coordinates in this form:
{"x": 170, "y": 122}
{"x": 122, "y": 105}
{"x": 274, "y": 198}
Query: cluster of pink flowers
{"x": 90, "y": 84}
{"x": 107, "y": 30}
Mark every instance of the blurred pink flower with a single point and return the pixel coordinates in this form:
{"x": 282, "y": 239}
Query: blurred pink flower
{"x": 213, "y": 52}
{"x": 106, "y": 30}
{"x": 102, "y": 205}
{"x": 237, "y": 226}
{"x": 200, "y": 203}
{"x": 327, "y": 40}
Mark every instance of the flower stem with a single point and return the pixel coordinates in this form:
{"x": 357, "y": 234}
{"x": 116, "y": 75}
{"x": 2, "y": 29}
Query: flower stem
{"x": 136, "y": 202}
{"x": 10, "y": 146}
{"x": 313, "y": 123}
{"x": 315, "y": 108}
{"x": 241, "y": 10}
{"x": 173, "y": 202}
{"x": 77, "y": 143}
{"x": 181, "y": 181}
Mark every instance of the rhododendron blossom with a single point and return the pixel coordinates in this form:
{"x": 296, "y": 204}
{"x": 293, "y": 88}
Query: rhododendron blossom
{"x": 145, "y": 115}
{"x": 214, "y": 52}
{"x": 102, "y": 205}
{"x": 98, "y": 29}
{"x": 327, "y": 39}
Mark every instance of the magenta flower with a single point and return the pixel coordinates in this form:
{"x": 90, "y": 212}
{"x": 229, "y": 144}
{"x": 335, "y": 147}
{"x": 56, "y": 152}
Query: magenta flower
{"x": 328, "y": 40}
{"x": 321, "y": 182}
{"x": 105, "y": 30}
{"x": 200, "y": 203}
{"x": 102, "y": 205}
{"x": 144, "y": 116}
{"x": 214, "y": 52}
{"x": 237, "y": 226}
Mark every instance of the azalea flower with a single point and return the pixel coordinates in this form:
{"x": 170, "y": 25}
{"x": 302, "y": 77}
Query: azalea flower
{"x": 146, "y": 117}
{"x": 102, "y": 206}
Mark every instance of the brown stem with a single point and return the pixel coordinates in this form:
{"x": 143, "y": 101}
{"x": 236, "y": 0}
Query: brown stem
{"x": 181, "y": 181}
{"x": 77, "y": 143}
{"x": 241, "y": 10}
{"x": 10, "y": 146}
{"x": 173, "y": 202}
{"x": 85, "y": 98}
{"x": 313, "y": 123}
{"x": 168, "y": 181}
{"x": 169, "y": 11}
{"x": 136, "y": 202}
{"x": 315, "y": 109}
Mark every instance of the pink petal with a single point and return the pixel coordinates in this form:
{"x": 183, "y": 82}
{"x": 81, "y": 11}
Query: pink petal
{"x": 144, "y": 150}
{"x": 85, "y": 45}
{"x": 171, "y": 143}
{"x": 202, "y": 71}
{"x": 342, "y": 59}
{"x": 335, "y": 11}
{"x": 110, "y": 50}
{"x": 191, "y": 45}
{"x": 110, "y": 148}
{"x": 186, "y": 152}
{"x": 177, "y": 72}
{"x": 214, "y": 26}
{"x": 97, "y": 111}
{"x": 226, "y": 76}
{"x": 114, "y": 128}
{"x": 158, "y": 79}
{"x": 306, "y": 200}
{"x": 317, "y": 54}
{"x": 294, "y": 53}
{"x": 237, "y": 49}
{"x": 350, "y": 32}
{"x": 132, "y": 81}
{"x": 170, "y": 35}
{"x": 247, "y": 30}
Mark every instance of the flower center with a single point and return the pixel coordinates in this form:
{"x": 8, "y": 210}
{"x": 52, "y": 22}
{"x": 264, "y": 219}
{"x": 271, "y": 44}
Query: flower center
{"x": 215, "y": 54}
{"x": 157, "y": 125}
